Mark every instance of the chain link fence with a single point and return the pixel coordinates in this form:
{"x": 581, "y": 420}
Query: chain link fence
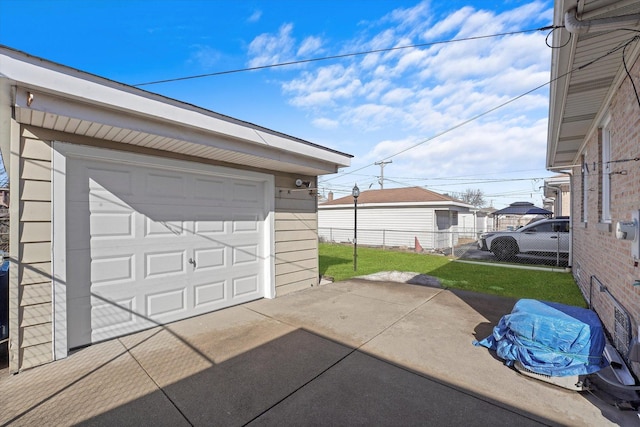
{"x": 4, "y": 231}
{"x": 461, "y": 243}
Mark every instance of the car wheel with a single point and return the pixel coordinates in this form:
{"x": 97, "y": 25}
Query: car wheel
{"x": 504, "y": 250}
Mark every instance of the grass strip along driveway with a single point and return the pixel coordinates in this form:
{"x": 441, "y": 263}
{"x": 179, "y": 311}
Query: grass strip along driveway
{"x": 337, "y": 261}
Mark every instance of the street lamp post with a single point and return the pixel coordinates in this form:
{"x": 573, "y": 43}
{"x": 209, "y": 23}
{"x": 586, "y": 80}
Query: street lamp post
{"x": 355, "y": 193}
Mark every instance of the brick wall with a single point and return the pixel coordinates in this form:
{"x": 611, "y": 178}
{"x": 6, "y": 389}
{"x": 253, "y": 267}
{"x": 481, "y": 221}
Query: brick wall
{"x": 596, "y": 249}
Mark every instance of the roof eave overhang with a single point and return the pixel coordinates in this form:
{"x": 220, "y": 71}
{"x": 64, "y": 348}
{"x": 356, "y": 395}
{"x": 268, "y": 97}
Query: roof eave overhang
{"x": 578, "y": 97}
{"x": 54, "y": 97}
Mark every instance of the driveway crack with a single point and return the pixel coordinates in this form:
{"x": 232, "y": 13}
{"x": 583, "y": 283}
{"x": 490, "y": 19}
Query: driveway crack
{"x": 175, "y": 405}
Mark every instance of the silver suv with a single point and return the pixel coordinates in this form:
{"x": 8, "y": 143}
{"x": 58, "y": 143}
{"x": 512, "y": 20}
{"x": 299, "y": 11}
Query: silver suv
{"x": 546, "y": 236}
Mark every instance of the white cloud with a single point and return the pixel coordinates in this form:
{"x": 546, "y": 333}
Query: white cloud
{"x": 396, "y": 96}
{"x": 444, "y": 94}
{"x": 328, "y": 84}
{"x": 324, "y": 123}
{"x": 448, "y": 25}
{"x": 267, "y": 49}
{"x": 309, "y": 45}
{"x": 255, "y": 16}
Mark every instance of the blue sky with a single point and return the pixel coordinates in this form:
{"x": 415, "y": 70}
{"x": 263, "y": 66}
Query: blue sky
{"x": 375, "y": 106}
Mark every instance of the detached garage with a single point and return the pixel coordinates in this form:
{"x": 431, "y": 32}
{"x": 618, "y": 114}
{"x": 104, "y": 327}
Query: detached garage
{"x": 130, "y": 210}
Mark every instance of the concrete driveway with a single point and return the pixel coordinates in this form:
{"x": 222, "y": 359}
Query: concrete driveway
{"x": 350, "y": 353}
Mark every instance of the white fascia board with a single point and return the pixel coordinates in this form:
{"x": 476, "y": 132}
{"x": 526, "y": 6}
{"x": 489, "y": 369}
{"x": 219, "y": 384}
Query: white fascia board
{"x": 64, "y": 107}
{"x": 6, "y": 100}
{"x": 561, "y": 60}
{"x": 75, "y": 85}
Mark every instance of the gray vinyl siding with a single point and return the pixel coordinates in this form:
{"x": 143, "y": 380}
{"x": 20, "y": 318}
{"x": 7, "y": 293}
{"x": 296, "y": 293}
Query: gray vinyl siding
{"x": 296, "y": 237}
{"x": 34, "y": 236}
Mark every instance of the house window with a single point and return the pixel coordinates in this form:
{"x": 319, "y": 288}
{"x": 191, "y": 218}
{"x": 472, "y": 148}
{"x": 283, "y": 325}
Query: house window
{"x": 605, "y": 172}
{"x": 585, "y": 189}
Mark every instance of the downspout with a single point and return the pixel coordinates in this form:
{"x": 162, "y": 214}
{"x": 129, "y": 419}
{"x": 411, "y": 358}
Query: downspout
{"x": 571, "y": 204}
{"x": 576, "y": 26}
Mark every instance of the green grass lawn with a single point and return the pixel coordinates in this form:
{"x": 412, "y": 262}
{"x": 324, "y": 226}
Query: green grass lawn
{"x": 337, "y": 261}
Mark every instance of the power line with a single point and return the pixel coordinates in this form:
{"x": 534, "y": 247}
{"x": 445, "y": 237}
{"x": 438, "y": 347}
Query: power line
{"x": 497, "y": 107}
{"x": 344, "y": 55}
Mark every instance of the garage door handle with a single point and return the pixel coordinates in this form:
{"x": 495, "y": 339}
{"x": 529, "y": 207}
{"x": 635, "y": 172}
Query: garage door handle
{"x": 192, "y": 261}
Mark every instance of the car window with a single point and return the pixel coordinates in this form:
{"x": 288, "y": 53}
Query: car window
{"x": 561, "y": 226}
{"x": 541, "y": 228}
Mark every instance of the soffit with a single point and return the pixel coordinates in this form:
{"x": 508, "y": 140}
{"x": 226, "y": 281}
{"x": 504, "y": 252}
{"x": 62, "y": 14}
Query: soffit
{"x": 56, "y": 97}
{"x": 585, "y": 69}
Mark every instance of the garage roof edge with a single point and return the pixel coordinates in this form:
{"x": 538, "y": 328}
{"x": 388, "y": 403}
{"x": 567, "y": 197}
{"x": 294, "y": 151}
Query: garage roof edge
{"x": 38, "y": 73}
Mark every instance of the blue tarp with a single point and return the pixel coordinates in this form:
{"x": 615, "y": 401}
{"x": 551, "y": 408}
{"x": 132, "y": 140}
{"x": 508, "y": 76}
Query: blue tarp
{"x": 549, "y": 338}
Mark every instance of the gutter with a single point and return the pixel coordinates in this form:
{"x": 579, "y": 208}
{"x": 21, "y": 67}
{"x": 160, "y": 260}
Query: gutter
{"x": 576, "y": 26}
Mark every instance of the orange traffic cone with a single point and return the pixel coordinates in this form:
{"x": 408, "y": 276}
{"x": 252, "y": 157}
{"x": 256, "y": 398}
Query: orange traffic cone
{"x": 417, "y": 246}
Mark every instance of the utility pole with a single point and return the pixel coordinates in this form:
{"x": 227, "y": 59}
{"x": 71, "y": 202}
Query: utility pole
{"x": 381, "y": 164}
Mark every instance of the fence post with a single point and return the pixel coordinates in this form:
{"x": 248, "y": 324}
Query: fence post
{"x": 451, "y": 242}
{"x": 384, "y": 239}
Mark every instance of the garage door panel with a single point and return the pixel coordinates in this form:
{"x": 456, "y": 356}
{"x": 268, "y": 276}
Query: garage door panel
{"x": 81, "y": 180}
{"x": 166, "y": 263}
{"x": 245, "y": 223}
{"x": 114, "y": 269}
{"x": 157, "y": 228}
{"x": 206, "y": 294}
{"x": 165, "y": 185}
{"x": 110, "y": 314}
{"x": 103, "y": 200}
{"x": 109, "y": 225}
{"x": 245, "y": 255}
{"x": 150, "y": 246}
{"x": 209, "y": 226}
{"x": 170, "y": 302}
{"x": 244, "y": 286}
{"x": 209, "y": 258}
{"x": 110, "y": 182}
{"x": 247, "y": 193}
{"x": 208, "y": 190}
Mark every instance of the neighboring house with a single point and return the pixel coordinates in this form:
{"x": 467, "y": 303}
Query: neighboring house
{"x": 557, "y": 193}
{"x": 129, "y": 209}
{"x": 594, "y": 130}
{"x": 394, "y": 217}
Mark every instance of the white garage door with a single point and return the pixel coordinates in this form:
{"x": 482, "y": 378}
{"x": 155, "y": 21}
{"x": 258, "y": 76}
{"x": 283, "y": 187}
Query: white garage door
{"x": 147, "y": 245}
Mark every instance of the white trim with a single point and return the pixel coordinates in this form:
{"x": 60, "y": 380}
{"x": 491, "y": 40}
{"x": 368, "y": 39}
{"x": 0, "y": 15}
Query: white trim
{"x": 584, "y": 180}
{"x": 59, "y": 251}
{"x": 62, "y": 151}
{"x": 81, "y": 90}
{"x": 605, "y": 169}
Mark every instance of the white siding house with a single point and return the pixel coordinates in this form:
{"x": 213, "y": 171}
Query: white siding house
{"x": 403, "y": 217}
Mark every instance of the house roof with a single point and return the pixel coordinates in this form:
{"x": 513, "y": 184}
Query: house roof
{"x": 586, "y": 67}
{"x": 52, "y": 96}
{"x": 409, "y": 195}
